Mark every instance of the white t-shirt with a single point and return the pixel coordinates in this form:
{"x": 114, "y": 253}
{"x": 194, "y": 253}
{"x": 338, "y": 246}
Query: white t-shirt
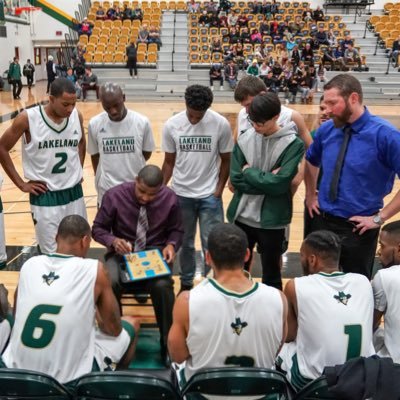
{"x": 243, "y": 123}
{"x": 120, "y": 146}
{"x": 387, "y": 300}
{"x": 198, "y": 148}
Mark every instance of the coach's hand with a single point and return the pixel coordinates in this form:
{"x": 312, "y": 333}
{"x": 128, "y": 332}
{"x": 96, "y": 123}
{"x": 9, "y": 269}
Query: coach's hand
{"x": 312, "y": 205}
{"x": 362, "y": 224}
{"x": 34, "y": 187}
{"x": 122, "y": 246}
{"x": 169, "y": 253}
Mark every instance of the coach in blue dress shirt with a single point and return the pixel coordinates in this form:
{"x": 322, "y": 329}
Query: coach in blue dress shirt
{"x": 359, "y": 154}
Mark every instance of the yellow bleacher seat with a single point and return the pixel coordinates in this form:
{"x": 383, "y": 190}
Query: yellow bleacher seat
{"x": 103, "y": 39}
{"x": 119, "y": 57}
{"x": 141, "y": 57}
{"x": 113, "y": 39}
{"x": 127, "y": 23}
{"x": 101, "y": 47}
{"x": 108, "y": 57}
{"x": 152, "y": 58}
{"x": 97, "y": 57}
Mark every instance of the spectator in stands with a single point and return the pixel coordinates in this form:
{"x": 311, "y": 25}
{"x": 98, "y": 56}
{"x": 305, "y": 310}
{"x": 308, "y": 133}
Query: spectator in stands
{"x": 243, "y": 21}
{"x": 213, "y": 20}
{"x": 238, "y": 56}
{"x": 231, "y": 71}
{"x": 339, "y": 57}
{"x": 385, "y": 286}
{"x": 51, "y": 72}
{"x": 137, "y": 14}
{"x": 273, "y": 28}
{"x": 232, "y": 19}
{"x": 325, "y": 303}
{"x": 223, "y": 19}
{"x": 307, "y": 54}
{"x": 143, "y": 35}
{"x": 154, "y": 36}
{"x": 277, "y": 69}
{"x": 271, "y": 82}
{"x": 234, "y": 36}
{"x": 346, "y": 42}
{"x": 318, "y": 14}
{"x": 307, "y": 15}
{"x": 264, "y": 27}
{"x": 131, "y": 54}
{"x": 274, "y": 8}
{"x": 72, "y": 77}
{"x": 305, "y": 86}
{"x": 322, "y": 37}
{"x": 79, "y": 68}
{"x": 235, "y": 323}
{"x": 245, "y": 36}
{"x": 395, "y": 51}
{"x": 264, "y": 69}
{"x": 352, "y": 55}
{"x": 127, "y": 12}
{"x": 256, "y": 36}
{"x": 110, "y": 13}
{"x": 100, "y": 13}
{"x": 216, "y": 75}
{"x": 225, "y": 6}
{"x": 293, "y": 86}
{"x": 321, "y": 76}
{"x": 204, "y": 19}
{"x": 90, "y": 82}
{"x": 253, "y": 69}
{"x": 119, "y": 225}
{"x": 193, "y": 6}
{"x": 297, "y": 26}
{"x": 85, "y": 28}
{"x": 332, "y": 38}
{"x": 118, "y": 14}
{"x": 290, "y": 45}
{"x": 216, "y": 46}
{"x": 212, "y": 8}
{"x": 295, "y": 56}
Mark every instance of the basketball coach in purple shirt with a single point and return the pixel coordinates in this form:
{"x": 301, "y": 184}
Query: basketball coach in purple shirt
{"x": 136, "y": 216}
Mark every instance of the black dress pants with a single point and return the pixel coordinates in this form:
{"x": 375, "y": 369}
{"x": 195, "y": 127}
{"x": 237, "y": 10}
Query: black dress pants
{"x": 161, "y": 291}
{"x": 271, "y": 244}
{"x": 17, "y": 88}
{"x": 358, "y": 251}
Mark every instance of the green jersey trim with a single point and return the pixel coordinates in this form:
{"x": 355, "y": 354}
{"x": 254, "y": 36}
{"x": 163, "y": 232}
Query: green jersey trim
{"x": 232, "y": 293}
{"x": 1, "y": 206}
{"x": 58, "y": 255}
{"x": 297, "y": 380}
{"x": 48, "y": 122}
{"x": 332, "y": 274}
{"x": 3, "y": 264}
{"x": 58, "y": 197}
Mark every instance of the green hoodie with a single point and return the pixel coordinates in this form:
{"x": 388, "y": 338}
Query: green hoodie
{"x": 14, "y": 72}
{"x": 272, "y": 192}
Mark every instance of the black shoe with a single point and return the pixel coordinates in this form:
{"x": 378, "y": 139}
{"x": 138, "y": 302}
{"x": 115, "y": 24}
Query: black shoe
{"x": 165, "y": 358}
{"x": 141, "y": 298}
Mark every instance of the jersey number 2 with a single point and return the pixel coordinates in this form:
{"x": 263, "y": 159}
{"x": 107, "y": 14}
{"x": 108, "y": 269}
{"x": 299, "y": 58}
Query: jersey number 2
{"x": 59, "y": 168}
{"x": 354, "y": 345}
{"x": 39, "y": 340}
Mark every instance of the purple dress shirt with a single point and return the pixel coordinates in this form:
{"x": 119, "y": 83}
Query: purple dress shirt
{"x": 119, "y": 212}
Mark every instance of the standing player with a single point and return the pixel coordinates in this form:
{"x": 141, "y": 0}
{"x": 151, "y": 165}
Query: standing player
{"x": 53, "y": 152}
{"x": 120, "y": 141}
{"x": 330, "y": 313}
{"x": 5, "y": 318}
{"x": 386, "y": 291}
{"x": 197, "y": 144}
{"x": 3, "y": 254}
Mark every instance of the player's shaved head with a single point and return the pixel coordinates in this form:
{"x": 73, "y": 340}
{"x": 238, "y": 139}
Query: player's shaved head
{"x": 61, "y": 86}
{"x": 111, "y": 89}
{"x": 73, "y": 228}
{"x": 227, "y": 246}
{"x": 392, "y": 230}
{"x": 151, "y": 176}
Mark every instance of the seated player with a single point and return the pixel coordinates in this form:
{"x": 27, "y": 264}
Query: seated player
{"x": 329, "y": 313}
{"x": 60, "y": 298}
{"x": 138, "y": 216}
{"x": 229, "y": 320}
{"x": 386, "y": 285}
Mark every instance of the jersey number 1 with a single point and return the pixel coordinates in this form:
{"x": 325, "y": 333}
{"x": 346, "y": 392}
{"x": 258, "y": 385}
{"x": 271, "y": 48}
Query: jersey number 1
{"x": 354, "y": 345}
{"x": 59, "y": 168}
{"x": 39, "y": 340}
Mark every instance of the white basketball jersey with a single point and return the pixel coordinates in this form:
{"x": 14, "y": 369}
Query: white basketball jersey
{"x": 120, "y": 146}
{"x": 54, "y": 328}
{"x": 335, "y": 313}
{"x": 232, "y": 329}
{"x": 390, "y": 279}
{"x": 243, "y": 123}
{"x": 52, "y": 155}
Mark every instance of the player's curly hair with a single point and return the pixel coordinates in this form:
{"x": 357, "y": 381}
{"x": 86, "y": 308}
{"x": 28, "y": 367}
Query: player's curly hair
{"x": 198, "y": 97}
{"x": 325, "y": 244}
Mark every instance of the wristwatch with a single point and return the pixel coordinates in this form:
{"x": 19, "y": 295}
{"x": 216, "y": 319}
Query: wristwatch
{"x": 377, "y": 219}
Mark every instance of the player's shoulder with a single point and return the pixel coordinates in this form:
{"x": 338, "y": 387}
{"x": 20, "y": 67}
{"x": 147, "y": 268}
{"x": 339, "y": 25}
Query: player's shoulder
{"x": 33, "y": 262}
{"x": 136, "y": 116}
{"x": 98, "y": 120}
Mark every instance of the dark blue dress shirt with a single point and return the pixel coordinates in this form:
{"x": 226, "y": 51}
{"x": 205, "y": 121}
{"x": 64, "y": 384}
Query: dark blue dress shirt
{"x": 370, "y": 165}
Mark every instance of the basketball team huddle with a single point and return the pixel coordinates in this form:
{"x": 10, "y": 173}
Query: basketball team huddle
{"x": 65, "y": 300}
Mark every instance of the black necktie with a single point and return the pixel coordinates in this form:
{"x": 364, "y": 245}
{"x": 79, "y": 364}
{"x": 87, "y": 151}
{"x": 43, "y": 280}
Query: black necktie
{"x": 333, "y": 190}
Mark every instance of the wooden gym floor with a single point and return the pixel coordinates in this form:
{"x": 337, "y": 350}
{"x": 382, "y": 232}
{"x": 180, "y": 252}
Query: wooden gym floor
{"x": 18, "y": 223}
